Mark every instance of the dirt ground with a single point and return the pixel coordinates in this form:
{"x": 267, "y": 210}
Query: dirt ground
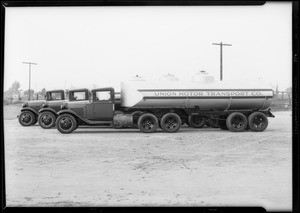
{"x": 124, "y": 167}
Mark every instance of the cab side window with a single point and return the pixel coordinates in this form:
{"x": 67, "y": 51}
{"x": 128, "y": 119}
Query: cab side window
{"x": 78, "y": 96}
{"x": 102, "y": 96}
{"x": 56, "y": 96}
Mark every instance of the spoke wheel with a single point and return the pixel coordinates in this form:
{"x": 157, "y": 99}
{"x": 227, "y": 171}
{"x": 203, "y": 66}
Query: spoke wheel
{"x": 236, "y": 122}
{"x": 46, "y": 120}
{"x": 147, "y": 123}
{"x": 258, "y": 122}
{"x": 66, "y": 123}
{"x": 27, "y": 118}
{"x": 170, "y": 122}
{"x": 196, "y": 121}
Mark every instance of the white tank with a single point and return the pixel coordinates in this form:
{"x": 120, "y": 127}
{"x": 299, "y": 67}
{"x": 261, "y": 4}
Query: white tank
{"x": 225, "y": 95}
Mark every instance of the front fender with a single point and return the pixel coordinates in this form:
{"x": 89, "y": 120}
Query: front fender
{"x": 68, "y": 111}
{"x": 48, "y": 110}
{"x": 30, "y": 109}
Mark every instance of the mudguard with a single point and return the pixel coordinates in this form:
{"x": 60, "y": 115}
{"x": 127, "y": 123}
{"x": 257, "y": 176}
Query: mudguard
{"x": 48, "y": 109}
{"x": 29, "y": 109}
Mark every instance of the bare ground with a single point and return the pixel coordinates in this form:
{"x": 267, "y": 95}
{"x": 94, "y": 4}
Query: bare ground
{"x": 124, "y": 167}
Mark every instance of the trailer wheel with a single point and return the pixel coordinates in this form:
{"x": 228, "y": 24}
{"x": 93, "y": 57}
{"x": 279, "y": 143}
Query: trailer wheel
{"x": 66, "y": 123}
{"x": 222, "y": 125}
{"x": 258, "y": 121}
{"x": 236, "y": 122}
{"x": 46, "y": 120}
{"x": 147, "y": 123}
{"x": 196, "y": 121}
{"x": 27, "y": 118}
{"x": 213, "y": 123}
{"x": 135, "y": 117}
{"x": 170, "y": 122}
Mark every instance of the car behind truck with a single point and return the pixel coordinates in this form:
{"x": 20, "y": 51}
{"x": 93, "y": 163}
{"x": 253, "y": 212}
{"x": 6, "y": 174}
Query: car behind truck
{"x": 45, "y": 111}
{"x": 155, "y": 106}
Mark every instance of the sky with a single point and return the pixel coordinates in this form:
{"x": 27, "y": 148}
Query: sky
{"x": 92, "y": 47}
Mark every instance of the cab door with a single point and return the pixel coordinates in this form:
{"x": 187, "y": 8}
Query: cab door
{"x": 103, "y": 105}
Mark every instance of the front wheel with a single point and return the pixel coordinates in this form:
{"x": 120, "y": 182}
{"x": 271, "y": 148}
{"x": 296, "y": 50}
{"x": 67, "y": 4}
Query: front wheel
{"x": 66, "y": 123}
{"x": 27, "y": 118}
{"x": 236, "y": 122}
{"x": 46, "y": 120}
{"x": 170, "y": 122}
{"x": 258, "y": 121}
{"x": 147, "y": 123}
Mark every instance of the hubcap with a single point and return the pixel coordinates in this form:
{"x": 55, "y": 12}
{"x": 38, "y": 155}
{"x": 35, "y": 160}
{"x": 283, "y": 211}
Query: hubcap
{"x": 171, "y": 123}
{"x": 237, "y": 123}
{"x": 148, "y": 124}
{"x": 46, "y": 120}
{"x": 26, "y": 118}
{"x": 258, "y": 122}
{"x": 65, "y": 123}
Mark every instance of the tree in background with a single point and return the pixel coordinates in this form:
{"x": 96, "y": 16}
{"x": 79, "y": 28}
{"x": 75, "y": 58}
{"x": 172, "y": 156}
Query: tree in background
{"x": 41, "y": 94}
{"x": 289, "y": 93}
{"x": 13, "y": 92}
{"x": 31, "y": 93}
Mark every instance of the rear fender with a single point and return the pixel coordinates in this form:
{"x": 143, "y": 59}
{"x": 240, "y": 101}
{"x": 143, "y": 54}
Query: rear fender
{"x": 269, "y": 114}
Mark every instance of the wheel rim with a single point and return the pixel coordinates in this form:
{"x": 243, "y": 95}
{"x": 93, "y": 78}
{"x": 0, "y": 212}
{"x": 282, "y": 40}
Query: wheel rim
{"x": 65, "y": 123}
{"x": 237, "y": 123}
{"x": 26, "y": 118}
{"x": 171, "y": 123}
{"x": 258, "y": 122}
{"x": 46, "y": 120}
{"x": 148, "y": 124}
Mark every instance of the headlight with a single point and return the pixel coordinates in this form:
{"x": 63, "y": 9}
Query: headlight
{"x": 64, "y": 106}
{"x": 44, "y": 105}
{"x": 25, "y": 104}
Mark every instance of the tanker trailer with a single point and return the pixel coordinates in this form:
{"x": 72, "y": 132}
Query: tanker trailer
{"x": 150, "y": 105}
{"x": 233, "y": 105}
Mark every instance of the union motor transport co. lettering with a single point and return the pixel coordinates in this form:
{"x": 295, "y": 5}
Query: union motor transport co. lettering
{"x": 205, "y": 93}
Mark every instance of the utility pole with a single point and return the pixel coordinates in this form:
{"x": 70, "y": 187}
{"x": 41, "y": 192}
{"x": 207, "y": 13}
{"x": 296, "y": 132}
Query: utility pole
{"x": 29, "y": 63}
{"x": 221, "y": 57}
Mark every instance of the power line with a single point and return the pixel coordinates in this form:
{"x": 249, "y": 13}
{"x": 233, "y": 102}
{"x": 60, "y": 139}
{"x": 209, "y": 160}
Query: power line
{"x": 221, "y": 57}
{"x": 29, "y": 63}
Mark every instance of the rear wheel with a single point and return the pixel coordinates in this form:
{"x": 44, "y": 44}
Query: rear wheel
{"x": 46, "y": 120}
{"x": 258, "y": 121}
{"x": 27, "y": 118}
{"x": 147, "y": 123}
{"x": 236, "y": 122}
{"x": 196, "y": 121}
{"x": 66, "y": 123}
{"x": 170, "y": 122}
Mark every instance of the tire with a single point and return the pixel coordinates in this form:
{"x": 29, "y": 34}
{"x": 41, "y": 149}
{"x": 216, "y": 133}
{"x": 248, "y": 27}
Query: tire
{"x": 66, "y": 123}
{"x": 27, "y": 118}
{"x": 196, "y": 121}
{"x": 236, "y": 122}
{"x": 222, "y": 125}
{"x": 135, "y": 117}
{"x": 213, "y": 123}
{"x": 170, "y": 122}
{"x": 147, "y": 123}
{"x": 258, "y": 122}
{"x": 46, "y": 120}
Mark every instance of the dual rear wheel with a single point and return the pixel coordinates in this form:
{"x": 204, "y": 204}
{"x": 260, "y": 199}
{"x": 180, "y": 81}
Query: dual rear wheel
{"x": 238, "y": 122}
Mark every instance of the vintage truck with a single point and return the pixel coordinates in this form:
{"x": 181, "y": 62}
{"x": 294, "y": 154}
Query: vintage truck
{"x": 149, "y": 106}
{"x": 49, "y": 109}
{"x": 31, "y": 110}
